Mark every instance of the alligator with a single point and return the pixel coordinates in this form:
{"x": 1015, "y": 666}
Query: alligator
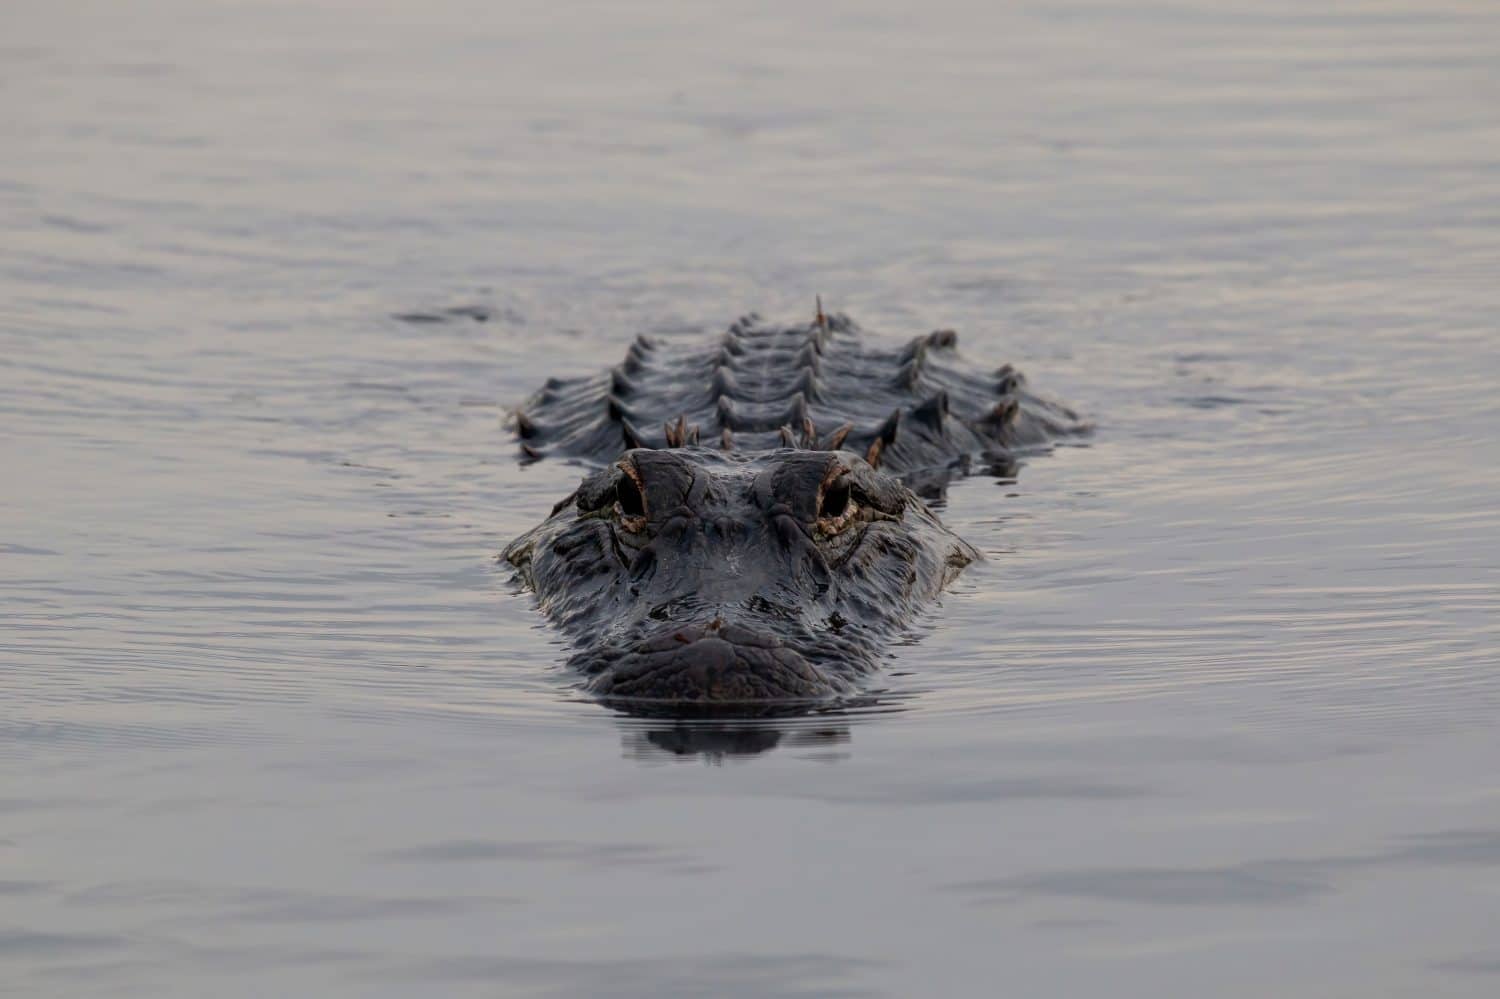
{"x": 753, "y": 531}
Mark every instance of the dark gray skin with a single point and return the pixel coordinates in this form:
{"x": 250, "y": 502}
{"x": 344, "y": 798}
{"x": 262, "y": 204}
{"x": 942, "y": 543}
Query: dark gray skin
{"x": 691, "y": 576}
{"x": 776, "y": 568}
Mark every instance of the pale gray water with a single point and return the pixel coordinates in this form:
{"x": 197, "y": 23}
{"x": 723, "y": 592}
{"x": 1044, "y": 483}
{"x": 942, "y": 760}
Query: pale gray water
{"x": 1217, "y": 717}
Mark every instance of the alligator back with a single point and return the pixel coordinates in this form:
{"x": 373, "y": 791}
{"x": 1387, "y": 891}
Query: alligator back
{"x": 917, "y": 410}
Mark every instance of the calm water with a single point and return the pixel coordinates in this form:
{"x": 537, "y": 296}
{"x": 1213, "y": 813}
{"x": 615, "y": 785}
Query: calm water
{"x": 1216, "y": 718}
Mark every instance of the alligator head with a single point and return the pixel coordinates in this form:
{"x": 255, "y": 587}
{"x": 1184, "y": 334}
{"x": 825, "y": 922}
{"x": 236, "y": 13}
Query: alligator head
{"x": 694, "y": 576}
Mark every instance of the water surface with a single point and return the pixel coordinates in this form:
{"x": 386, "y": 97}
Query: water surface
{"x": 1215, "y": 717}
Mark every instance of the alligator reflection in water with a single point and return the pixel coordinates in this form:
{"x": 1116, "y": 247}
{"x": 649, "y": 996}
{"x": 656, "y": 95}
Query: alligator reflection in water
{"x": 718, "y": 741}
{"x": 722, "y": 732}
{"x": 777, "y": 567}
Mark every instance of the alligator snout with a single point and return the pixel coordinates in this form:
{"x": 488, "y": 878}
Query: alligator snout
{"x": 707, "y": 662}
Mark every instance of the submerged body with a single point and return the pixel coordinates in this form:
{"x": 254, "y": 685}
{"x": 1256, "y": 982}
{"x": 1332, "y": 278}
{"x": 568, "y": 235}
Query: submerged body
{"x": 777, "y": 565}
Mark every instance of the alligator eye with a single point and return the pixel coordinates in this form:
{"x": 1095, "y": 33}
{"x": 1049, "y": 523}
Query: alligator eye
{"x": 628, "y": 496}
{"x": 835, "y": 500}
{"x": 630, "y": 502}
{"x": 837, "y": 508}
